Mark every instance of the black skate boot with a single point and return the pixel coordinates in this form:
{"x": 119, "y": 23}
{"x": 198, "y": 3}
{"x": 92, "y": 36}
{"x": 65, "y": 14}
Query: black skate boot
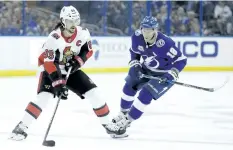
{"x": 115, "y": 131}
{"x": 19, "y": 132}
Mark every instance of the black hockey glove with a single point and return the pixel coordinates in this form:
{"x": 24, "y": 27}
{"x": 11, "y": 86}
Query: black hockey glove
{"x": 76, "y": 62}
{"x": 135, "y": 69}
{"x": 60, "y": 89}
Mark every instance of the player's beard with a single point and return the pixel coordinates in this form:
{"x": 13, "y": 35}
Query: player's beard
{"x": 69, "y": 32}
{"x": 71, "y": 29}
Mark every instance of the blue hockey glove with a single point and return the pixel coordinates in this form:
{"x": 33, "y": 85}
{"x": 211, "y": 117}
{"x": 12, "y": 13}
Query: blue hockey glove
{"x": 171, "y": 75}
{"x": 135, "y": 69}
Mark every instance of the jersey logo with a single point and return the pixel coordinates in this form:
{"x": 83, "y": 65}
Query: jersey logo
{"x": 78, "y": 43}
{"x": 160, "y": 43}
{"x": 67, "y": 54}
{"x": 56, "y": 36}
{"x": 154, "y": 54}
{"x": 151, "y": 62}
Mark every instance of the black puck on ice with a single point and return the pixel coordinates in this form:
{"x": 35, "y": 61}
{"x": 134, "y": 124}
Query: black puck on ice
{"x": 49, "y": 143}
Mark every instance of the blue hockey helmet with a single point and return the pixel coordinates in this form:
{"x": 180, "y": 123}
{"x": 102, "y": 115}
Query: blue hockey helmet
{"x": 149, "y": 22}
{"x": 148, "y": 26}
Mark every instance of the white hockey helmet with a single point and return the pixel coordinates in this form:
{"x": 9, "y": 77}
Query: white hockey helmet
{"x": 70, "y": 17}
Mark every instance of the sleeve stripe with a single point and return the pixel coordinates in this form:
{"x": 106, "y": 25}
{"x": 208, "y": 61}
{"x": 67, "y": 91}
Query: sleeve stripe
{"x": 50, "y": 67}
{"x": 182, "y": 57}
{"x": 134, "y": 51}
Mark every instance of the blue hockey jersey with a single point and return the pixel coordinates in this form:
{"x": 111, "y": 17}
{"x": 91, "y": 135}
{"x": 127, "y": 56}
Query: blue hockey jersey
{"x": 158, "y": 57}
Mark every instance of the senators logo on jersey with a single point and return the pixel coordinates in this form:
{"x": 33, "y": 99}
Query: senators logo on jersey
{"x": 67, "y": 54}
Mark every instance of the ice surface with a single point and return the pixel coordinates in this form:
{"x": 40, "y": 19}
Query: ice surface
{"x": 183, "y": 119}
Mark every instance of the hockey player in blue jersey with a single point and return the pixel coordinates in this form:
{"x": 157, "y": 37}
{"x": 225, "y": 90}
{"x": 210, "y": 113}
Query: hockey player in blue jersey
{"x": 159, "y": 57}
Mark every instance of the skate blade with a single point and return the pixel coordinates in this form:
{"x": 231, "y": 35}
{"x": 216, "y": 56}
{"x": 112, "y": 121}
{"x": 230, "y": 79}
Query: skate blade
{"x": 14, "y": 137}
{"x": 115, "y": 136}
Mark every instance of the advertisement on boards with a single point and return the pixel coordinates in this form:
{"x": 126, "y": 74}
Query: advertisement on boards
{"x": 213, "y": 52}
{"x": 113, "y": 52}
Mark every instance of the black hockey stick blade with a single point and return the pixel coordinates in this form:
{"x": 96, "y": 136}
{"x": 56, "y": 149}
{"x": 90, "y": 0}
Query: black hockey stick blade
{"x": 49, "y": 143}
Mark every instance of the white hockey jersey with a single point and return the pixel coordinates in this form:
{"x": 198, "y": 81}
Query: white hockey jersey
{"x": 60, "y": 48}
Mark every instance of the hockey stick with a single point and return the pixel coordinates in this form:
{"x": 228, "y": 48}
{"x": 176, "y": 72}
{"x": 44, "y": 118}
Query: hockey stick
{"x": 51, "y": 143}
{"x": 188, "y": 85}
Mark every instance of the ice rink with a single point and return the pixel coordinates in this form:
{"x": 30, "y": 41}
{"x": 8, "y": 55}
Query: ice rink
{"x": 183, "y": 119}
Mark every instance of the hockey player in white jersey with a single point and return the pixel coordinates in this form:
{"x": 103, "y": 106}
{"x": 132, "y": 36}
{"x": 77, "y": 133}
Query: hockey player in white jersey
{"x": 68, "y": 45}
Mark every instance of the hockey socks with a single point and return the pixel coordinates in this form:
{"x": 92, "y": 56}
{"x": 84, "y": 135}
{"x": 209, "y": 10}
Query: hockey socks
{"x": 33, "y": 109}
{"x": 99, "y": 106}
{"x": 141, "y": 102}
{"x": 127, "y": 98}
{"x": 102, "y": 111}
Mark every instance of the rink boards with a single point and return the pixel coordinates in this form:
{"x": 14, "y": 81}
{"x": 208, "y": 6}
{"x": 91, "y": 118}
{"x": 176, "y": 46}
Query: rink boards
{"x": 19, "y": 54}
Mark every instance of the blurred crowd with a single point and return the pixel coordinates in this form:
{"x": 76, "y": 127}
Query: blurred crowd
{"x": 38, "y": 18}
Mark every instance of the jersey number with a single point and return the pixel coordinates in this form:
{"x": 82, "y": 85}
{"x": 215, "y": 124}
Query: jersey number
{"x": 172, "y": 53}
{"x": 49, "y": 54}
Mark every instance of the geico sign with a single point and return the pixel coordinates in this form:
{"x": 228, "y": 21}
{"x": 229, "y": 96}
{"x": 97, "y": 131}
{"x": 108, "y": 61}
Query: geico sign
{"x": 197, "y": 49}
{"x": 115, "y": 47}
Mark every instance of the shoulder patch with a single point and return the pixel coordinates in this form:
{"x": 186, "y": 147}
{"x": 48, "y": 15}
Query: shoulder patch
{"x": 56, "y": 36}
{"x": 160, "y": 43}
{"x": 140, "y": 48}
{"x": 138, "y": 32}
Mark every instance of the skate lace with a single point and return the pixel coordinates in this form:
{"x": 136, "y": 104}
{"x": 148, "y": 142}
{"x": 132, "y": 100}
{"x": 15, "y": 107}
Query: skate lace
{"x": 122, "y": 123}
{"x": 119, "y": 117}
{"x": 21, "y": 128}
{"x": 113, "y": 127}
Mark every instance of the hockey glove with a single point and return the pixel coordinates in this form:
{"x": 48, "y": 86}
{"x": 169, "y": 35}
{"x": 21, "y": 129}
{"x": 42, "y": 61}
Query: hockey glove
{"x": 60, "y": 89}
{"x": 171, "y": 75}
{"x": 135, "y": 69}
{"x": 76, "y": 62}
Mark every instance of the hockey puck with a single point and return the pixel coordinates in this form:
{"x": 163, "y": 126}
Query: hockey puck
{"x": 49, "y": 143}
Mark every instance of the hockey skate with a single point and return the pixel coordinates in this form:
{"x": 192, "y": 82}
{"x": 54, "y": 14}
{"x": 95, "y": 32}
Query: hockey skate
{"x": 115, "y": 131}
{"x": 124, "y": 122}
{"x": 19, "y": 132}
{"x": 119, "y": 117}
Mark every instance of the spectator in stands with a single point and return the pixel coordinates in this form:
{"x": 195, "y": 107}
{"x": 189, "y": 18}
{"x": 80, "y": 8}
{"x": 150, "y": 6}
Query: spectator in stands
{"x": 3, "y": 26}
{"x": 40, "y": 16}
{"x": 193, "y": 24}
{"x": 175, "y": 24}
{"x": 222, "y": 12}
